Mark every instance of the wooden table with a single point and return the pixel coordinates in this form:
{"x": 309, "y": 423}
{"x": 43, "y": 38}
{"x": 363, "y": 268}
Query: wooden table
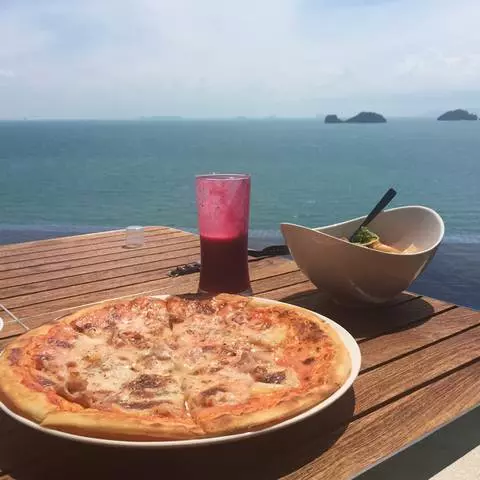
{"x": 420, "y": 366}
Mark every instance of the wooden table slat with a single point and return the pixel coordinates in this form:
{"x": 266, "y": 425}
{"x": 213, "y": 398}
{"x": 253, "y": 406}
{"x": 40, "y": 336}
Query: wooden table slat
{"x": 79, "y": 243}
{"x": 32, "y": 259}
{"x": 53, "y": 276}
{"x": 140, "y": 254}
{"x": 364, "y": 323}
{"x": 281, "y": 293}
{"x": 399, "y": 376}
{"x": 91, "y": 238}
{"x": 396, "y": 425}
{"x": 393, "y": 345}
{"x": 166, "y": 260}
{"x": 139, "y": 278}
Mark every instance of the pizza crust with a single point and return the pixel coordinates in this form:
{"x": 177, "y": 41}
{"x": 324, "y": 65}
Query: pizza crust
{"x": 22, "y": 400}
{"x": 13, "y": 389}
{"x": 227, "y": 423}
{"x": 95, "y": 423}
{"x": 69, "y": 318}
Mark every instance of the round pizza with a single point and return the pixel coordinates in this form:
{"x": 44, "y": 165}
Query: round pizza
{"x": 174, "y": 367}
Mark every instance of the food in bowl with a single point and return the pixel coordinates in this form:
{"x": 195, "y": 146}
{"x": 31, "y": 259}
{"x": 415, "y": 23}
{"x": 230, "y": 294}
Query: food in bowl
{"x": 353, "y": 274}
{"x": 366, "y": 238}
{"x": 174, "y": 367}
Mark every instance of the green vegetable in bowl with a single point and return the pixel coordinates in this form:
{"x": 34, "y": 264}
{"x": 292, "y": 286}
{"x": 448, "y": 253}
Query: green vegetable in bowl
{"x": 365, "y": 237}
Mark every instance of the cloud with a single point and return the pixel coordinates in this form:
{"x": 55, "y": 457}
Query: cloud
{"x": 117, "y": 58}
{"x": 7, "y": 74}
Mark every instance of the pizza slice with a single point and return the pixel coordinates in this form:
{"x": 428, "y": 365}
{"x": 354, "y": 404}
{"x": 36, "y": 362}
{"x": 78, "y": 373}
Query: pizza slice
{"x": 107, "y": 370}
{"x": 283, "y": 361}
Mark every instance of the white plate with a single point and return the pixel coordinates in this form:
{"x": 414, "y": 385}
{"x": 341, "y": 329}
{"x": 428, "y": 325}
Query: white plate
{"x": 348, "y": 341}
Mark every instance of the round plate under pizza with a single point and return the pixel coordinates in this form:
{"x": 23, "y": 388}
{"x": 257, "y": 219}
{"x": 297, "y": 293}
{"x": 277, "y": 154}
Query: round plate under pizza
{"x": 349, "y": 344}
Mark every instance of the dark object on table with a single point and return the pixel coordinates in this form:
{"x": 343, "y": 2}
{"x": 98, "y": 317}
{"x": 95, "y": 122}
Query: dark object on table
{"x": 457, "y": 114}
{"x": 185, "y": 269}
{"x": 271, "y": 251}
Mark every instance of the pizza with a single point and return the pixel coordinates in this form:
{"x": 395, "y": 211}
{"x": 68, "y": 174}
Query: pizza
{"x": 177, "y": 367}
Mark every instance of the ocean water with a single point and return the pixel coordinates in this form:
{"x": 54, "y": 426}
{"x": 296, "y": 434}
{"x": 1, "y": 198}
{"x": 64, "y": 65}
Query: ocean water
{"x": 87, "y": 175}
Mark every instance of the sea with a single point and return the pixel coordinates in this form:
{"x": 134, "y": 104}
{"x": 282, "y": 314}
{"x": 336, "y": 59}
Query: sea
{"x": 67, "y": 177}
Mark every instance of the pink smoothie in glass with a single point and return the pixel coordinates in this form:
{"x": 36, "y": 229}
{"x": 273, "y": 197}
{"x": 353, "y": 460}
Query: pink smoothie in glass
{"x": 223, "y": 214}
{"x": 224, "y": 268}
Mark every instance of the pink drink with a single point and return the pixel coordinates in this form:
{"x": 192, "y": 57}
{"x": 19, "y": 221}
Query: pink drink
{"x": 223, "y": 203}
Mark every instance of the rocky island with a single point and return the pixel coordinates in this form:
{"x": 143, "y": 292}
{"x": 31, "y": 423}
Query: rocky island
{"x": 457, "y": 114}
{"x": 362, "y": 117}
{"x": 367, "y": 117}
{"x": 332, "y": 119}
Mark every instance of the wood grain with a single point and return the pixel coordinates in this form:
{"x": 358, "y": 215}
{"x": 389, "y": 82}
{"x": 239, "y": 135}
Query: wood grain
{"x": 396, "y": 425}
{"x": 70, "y": 239}
{"x": 189, "y": 248}
{"x": 79, "y": 241}
{"x": 393, "y": 345}
{"x": 387, "y": 319}
{"x": 273, "y": 283}
{"x": 32, "y": 259}
{"x": 420, "y": 365}
{"x": 136, "y": 280}
{"x": 280, "y": 293}
{"x": 138, "y": 254}
{"x": 103, "y": 272}
{"x": 370, "y": 322}
{"x": 399, "y": 376}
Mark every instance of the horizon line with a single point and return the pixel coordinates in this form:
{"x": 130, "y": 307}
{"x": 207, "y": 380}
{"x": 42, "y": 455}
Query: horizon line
{"x": 178, "y": 118}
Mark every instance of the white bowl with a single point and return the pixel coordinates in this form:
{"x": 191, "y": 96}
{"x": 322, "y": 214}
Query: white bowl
{"x": 352, "y": 273}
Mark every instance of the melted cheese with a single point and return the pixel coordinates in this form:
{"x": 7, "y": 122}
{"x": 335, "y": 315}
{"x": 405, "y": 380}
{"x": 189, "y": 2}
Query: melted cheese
{"x": 291, "y": 381}
{"x": 208, "y": 360}
{"x": 228, "y": 386}
{"x": 270, "y": 337}
{"x": 109, "y": 369}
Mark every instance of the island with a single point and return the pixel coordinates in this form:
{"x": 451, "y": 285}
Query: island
{"x": 362, "y": 117}
{"x": 457, "y": 114}
{"x": 332, "y": 119}
{"x": 367, "y": 117}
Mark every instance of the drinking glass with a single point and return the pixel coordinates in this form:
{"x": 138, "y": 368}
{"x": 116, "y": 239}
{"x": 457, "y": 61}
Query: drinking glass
{"x": 134, "y": 236}
{"x": 223, "y": 202}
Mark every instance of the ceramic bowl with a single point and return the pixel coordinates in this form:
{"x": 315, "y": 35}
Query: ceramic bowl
{"x": 352, "y": 273}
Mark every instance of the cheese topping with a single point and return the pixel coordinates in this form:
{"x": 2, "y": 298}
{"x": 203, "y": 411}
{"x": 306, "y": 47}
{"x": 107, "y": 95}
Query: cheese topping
{"x": 151, "y": 356}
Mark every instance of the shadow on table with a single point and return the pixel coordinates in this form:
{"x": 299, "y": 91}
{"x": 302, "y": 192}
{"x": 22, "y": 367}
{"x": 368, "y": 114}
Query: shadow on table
{"x": 28, "y": 454}
{"x": 433, "y": 454}
{"x": 403, "y": 312}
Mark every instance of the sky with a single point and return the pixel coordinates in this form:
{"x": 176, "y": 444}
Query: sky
{"x": 223, "y": 58}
